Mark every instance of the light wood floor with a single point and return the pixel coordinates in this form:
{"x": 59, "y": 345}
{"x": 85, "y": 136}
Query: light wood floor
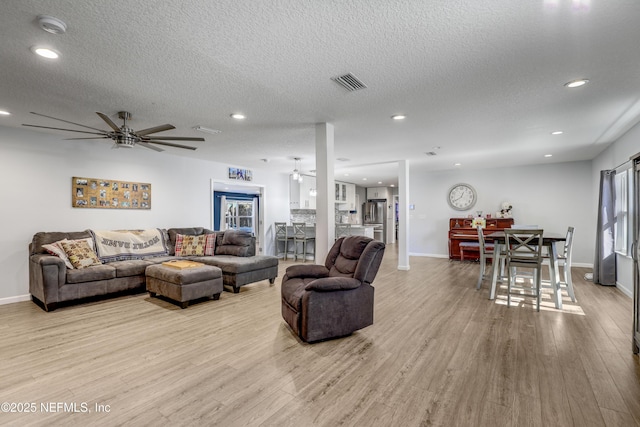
{"x": 439, "y": 353}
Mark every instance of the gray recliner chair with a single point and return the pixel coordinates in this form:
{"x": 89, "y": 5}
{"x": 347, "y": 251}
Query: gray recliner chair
{"x": 327, "y": 301}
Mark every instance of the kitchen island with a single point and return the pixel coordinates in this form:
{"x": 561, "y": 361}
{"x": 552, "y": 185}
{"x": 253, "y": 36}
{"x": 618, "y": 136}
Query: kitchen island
{"x": 361, "y": 230}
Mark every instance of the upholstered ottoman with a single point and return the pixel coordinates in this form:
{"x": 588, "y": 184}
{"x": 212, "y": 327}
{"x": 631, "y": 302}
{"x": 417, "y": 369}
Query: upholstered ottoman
{"x": 184, "y": 285}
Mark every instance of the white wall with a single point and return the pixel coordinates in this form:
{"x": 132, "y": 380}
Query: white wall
{"x": 35, "y": 194}
{"x": 615, "y": 155}
{"x": 553, "y": 196}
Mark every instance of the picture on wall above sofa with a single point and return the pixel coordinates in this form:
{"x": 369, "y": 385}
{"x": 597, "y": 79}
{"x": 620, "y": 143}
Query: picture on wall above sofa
{"x": 109, "y": 194}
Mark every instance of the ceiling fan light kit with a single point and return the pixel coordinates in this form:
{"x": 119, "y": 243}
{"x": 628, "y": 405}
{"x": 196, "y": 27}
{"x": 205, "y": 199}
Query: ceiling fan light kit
{"x": 124, "y": 136}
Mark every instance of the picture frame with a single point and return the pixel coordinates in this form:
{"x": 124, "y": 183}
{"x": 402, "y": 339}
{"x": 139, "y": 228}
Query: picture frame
{"x": 240, "y": 174}
{"x": 99, "y": 193}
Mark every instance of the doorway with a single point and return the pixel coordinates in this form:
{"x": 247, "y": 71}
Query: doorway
{"x": 238, "y": 206}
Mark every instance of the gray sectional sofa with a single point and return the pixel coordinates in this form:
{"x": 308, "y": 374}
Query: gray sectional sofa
{"x": 52, "y": 283}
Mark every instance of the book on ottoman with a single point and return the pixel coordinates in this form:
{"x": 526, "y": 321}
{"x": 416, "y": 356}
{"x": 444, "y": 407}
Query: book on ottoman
{"x": 182, "y": 264}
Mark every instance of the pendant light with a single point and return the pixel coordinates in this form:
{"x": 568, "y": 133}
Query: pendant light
{"x": 296, "y": 176}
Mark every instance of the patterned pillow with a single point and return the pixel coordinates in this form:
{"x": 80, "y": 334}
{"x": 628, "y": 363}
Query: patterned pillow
{"x": 202, "y": 245}
{"x": 56, "y": 249}
{"x": 80, "y": 253}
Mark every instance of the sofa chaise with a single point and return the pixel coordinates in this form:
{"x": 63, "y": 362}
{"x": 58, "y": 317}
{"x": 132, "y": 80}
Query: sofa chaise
{"x": 52, "y": 283}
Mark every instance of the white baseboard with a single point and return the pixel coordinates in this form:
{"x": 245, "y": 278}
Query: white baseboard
{"x": 581, "y": 264}
{"x": 428, "y": 255}
{"x": 11, "y": 300}
{"x": 404, "y": 267}
{"x": 628, "y": 292}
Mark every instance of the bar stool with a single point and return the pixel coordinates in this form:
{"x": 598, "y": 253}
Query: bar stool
{"x": 300, "y": 237}
{"x": 343, "y": 230}
{"x": 281, "y": 236}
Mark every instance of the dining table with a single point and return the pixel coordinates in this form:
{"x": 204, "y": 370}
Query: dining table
{"x": 549, "y": 241}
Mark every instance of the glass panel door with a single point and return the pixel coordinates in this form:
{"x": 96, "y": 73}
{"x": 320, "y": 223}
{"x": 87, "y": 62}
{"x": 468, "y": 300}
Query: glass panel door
{"x": 240, "y": 215}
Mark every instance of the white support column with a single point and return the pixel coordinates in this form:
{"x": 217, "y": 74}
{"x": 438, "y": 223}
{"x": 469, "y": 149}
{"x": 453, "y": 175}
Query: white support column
{"x": 403, "y": 212}
{"x": 325, "y": 205}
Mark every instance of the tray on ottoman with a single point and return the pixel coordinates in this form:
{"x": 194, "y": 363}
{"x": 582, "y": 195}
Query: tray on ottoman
{"x": 184, "y": 284}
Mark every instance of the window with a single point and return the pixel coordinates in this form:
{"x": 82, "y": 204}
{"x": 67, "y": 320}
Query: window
{"x": 621, "y": 227}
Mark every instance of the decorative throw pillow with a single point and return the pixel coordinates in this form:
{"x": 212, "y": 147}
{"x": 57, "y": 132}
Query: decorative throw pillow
{"x": 56, "y": 249}
{"x": 202, "y": 245}
{"x": 80, "y": 253}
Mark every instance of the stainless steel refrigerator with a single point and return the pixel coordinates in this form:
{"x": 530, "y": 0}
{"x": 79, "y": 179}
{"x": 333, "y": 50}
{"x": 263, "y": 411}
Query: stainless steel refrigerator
{"x": 374, "y": 212}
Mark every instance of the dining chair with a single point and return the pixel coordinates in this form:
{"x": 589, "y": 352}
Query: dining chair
{"x": 564, "y": 261}
{"x": 523, "y": 250}
{"x": 486, "y": 251}
{"x": 281, "y": 237}
{"x": 301, "y": 240}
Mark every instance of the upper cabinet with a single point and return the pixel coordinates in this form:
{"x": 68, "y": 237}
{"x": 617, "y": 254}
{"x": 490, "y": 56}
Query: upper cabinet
{"x": 340, "y": 192}
{"x": 351, "y": 197}
{"x": 308, "y": 192}
{"x": 345, "y": 195}
{"x": 302, "y": 195}
{"x": 378, "y": 193}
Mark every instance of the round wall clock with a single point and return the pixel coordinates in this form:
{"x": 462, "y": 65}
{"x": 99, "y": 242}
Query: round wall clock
{"x": 462, "y": 197}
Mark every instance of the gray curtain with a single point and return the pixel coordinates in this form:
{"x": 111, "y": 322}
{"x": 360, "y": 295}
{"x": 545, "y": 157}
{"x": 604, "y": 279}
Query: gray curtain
{"x": 604, "y": 265}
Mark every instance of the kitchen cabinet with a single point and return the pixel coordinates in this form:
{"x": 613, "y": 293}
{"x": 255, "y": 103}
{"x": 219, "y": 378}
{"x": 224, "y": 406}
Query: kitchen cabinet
{"x": 308, "y": 193}
{"x": 351, "y": 197}
{"x": 378, "y": 193}
{"x": 340, "y": 192}
{"x": 345, "y": 195}
{"x": 302, "y": 195}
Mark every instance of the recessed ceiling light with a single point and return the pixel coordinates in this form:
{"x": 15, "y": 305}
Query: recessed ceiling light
{"x": 457, "y": 164}
{"x": 238, "y": 116}
{"x": 364, "y": 179}
{"x": 392, "y": 185}
{"x": 399, "y": 117}
{"x": 557, "y": 132}
{"x": 548, "y": 155}
{"x": 4, "y": 113}
{"x": 45, "y": 52}
{"x": 576, "y": 83}
{"x": 346, "y": 174}
{"x": 437, "y": 147}
{"x": 379, "y": 182}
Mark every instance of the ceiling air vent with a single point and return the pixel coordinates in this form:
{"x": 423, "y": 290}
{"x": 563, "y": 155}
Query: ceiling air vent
{"x": 430, "y": 153}
{"x": 349, "y": 82}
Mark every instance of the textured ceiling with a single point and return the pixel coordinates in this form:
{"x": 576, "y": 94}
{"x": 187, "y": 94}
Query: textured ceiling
{"x": 482, "y": 80}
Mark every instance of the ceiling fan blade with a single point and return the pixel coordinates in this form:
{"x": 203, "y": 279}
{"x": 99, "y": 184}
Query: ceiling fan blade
{"x": 69, "y": 130}
{"x": 171, "y": 145}
{"x": 145, "y": 145}
{"x": 108, "y": 121}
{"x": 66, "y": 121}
{"x": 175, "y": 138}
{"x": 88, "y": 137}
{"x": 155, "y": 129}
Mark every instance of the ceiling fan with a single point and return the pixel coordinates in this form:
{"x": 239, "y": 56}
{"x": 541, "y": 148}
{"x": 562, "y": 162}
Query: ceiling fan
{"x": 124, "y": 136}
